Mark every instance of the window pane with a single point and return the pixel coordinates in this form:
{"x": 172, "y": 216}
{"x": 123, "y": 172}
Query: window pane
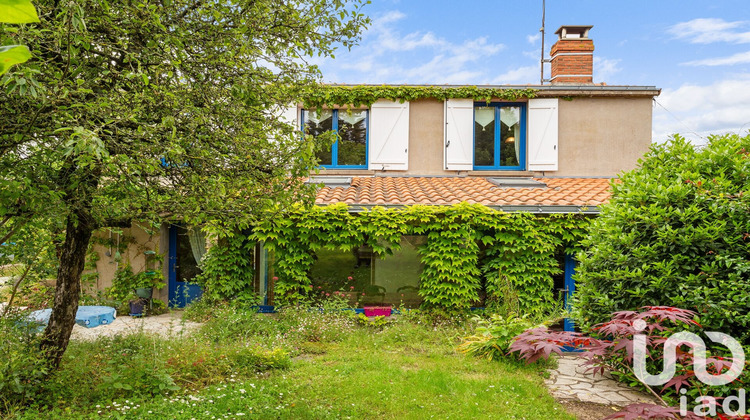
{"x": 353, "y": 141}
{"x": 396, "y": 277}
{"x": 484, "y": 136}
{"x": 342, "y": 273}
{"x": 510, "y": 135}
{"x": 317, "y": 123}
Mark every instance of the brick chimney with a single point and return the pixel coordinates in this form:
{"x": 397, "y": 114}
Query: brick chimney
{"x": 572, "y": 56}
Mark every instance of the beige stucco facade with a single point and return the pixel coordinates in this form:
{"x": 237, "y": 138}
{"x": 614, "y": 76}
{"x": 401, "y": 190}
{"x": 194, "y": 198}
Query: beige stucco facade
{"x": 426, "y": 144}
{"x": 602, "y": 136}
{"x": 599, "y": 136}
{"x": 135, "y": 240}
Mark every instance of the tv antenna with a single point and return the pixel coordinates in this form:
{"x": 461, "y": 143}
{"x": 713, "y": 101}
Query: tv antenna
{"x": 541, "y": 61}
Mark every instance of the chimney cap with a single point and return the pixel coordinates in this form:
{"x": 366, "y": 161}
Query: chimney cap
{"x": 573, "y": 31}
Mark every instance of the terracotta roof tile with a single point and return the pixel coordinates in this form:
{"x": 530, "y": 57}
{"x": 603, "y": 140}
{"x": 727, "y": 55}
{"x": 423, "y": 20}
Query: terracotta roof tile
{"x": 452, "y": 190}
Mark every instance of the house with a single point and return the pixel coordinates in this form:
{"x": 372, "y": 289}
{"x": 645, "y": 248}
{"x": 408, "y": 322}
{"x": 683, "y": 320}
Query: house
{"x": 550, "y": 152}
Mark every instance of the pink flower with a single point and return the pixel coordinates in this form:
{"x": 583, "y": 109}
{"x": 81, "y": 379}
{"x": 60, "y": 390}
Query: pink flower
{"x": 351, "y": 287}
{"x": 350, "y": 278}
{"x": 363, "y": 294}
{"x": 311, "y": 286}
{"x": 319, "y": 287}
{"x": 328, "y": 294}
{"x": 274, "y": 278}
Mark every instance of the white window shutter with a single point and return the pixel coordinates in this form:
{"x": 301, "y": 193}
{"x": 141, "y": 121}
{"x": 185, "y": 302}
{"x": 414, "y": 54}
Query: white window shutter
{"x": 459, "y": 134}
{"x": 542, "y": 136}
{"x": 389, "y": 136}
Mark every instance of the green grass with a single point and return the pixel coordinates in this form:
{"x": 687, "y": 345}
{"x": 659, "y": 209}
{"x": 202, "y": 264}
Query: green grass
{"x": 406, "y": 370}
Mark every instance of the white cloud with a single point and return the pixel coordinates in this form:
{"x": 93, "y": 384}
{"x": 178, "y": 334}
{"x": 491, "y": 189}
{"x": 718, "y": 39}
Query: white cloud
{"x": 696, "y": 111}
{"x": 739, "y": 58}
{"x": 520, "y": 75}
{"x": 604, "y": 68}
{"x": 532, "y": 39}
{"x": 377, "y": 58}
{"x": 710, "y": 30}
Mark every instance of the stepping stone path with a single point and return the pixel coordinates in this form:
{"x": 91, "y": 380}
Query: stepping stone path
{"x": 570, "y": 381}
{"x": 167, "y": 324}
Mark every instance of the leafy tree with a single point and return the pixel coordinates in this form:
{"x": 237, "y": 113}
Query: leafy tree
{"x": 675, "y": 233}
{"x": 15, "y": 11}
{"x": 154, "y": 109}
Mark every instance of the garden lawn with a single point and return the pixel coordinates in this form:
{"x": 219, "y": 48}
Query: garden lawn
{"x": 406, "y": 370}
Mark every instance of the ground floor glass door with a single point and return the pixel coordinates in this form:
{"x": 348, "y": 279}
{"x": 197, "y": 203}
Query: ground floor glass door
{"x": 182, "y": 269}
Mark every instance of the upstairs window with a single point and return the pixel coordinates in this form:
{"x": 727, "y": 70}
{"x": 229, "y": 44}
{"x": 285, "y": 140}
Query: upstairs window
{"x": 500, "y": 136}
{"x": 350, "y": 150}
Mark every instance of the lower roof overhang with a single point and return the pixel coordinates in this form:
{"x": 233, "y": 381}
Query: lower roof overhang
{"x": 536, "y": 209}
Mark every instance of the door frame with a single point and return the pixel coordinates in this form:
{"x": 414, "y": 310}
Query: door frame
{"x": 570, "y": 288}
{"x": 176, "y": 297}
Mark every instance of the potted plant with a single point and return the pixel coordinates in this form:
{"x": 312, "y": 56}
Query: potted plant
{"x": 135, "y": 289}
{"x": 136, "y": 306}
{"x": 145, "y": 282}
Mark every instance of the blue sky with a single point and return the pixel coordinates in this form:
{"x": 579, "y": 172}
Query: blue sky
{"x": 697, "y": 52}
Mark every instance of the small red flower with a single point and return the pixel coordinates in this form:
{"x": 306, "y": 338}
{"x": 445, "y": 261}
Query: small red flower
{"x": 351, "y": 287}
{"x": 350, "y": 278}
{"x": 328, "y": 294}
{"x": 274, "y": 278}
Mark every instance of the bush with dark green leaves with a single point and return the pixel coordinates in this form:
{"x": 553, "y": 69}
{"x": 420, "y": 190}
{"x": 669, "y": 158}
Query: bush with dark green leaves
{"x": 675, "y": 233}
{"x": 23, "y": 368}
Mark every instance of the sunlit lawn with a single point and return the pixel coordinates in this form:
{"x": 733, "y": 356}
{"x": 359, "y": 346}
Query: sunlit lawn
{"x": 405, "y": 371}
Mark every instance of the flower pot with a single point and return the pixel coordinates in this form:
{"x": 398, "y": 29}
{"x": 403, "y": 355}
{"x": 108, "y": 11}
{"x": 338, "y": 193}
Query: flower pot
{"x": 136, "y": 307}
{"x": 378, "y": 311}
{"x": 144, "y": 292}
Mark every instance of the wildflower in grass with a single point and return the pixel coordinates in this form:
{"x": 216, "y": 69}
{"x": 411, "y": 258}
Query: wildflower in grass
{"x": 350, "y": 278}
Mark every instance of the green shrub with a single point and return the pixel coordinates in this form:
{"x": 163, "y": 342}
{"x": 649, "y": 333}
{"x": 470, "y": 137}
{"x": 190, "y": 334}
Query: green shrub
{"x": 493, "y": 336}
{"x": 22, "y": 367}
{"x": 200, "y": 310}
{"x": 675, "y": 233}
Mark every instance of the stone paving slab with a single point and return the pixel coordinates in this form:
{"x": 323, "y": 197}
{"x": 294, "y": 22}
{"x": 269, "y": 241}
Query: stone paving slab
{"x": 167, "y": 324}
{"x": 571, "y": 380}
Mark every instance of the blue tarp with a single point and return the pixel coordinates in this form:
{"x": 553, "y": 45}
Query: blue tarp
{"x": 87, "y": 316}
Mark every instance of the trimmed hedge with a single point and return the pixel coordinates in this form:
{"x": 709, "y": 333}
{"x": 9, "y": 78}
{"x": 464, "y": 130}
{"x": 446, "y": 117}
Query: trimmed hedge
{"x": 675, "y": 233}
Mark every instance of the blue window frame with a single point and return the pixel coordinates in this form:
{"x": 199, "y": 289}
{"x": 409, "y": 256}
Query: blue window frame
{"x": 500, "y": 136}
{"x": 350, "y": 149}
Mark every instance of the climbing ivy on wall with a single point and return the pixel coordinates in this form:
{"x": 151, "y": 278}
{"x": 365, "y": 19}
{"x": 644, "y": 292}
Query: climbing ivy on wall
{"x": 464, "y": 242}
{"x": 227, "y": 269}
{"x": 366, "y": 95}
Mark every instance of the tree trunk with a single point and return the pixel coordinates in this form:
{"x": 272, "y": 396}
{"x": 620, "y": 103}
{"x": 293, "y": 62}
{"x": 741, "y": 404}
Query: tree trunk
{"x": 68, "y": 289}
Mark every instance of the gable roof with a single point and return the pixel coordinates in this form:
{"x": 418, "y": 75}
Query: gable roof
{"x": 546, "y": 195}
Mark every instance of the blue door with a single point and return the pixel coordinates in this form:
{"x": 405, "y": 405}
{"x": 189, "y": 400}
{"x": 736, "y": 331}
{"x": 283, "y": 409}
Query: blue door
{"x": 570, "y": 288}
{"x": 182, "y": 269}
